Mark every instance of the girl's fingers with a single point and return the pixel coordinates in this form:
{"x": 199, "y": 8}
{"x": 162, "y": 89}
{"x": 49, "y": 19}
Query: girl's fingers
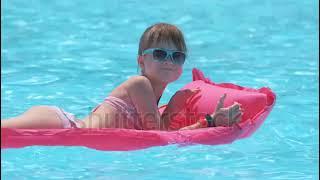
{"x": 238, "y": 119}
{"x": 237, "y": 114}
{"x": 232, "y": 110}
{"x": 191, "y": 94}
{"x": 195, "y": 91}
{"x": 221, "y": 102}
{"x": 235, "y": 108}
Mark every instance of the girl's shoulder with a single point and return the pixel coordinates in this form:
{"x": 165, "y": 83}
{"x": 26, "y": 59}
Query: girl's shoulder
{"x": 134, "y": 84}
{"x": 139, "y": 87}
{"x": 138, "y": 82}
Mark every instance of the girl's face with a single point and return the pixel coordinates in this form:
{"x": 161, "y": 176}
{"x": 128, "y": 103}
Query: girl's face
{"x": 164, "y": 72}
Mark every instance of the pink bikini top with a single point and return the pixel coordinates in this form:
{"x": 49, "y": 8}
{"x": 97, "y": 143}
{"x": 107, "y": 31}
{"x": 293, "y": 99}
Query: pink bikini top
{"x": 128, "y": 112}
{"x": 130, "y": 117}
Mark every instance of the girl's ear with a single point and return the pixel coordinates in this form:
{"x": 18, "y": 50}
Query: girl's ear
{"x": 140, "y": 61}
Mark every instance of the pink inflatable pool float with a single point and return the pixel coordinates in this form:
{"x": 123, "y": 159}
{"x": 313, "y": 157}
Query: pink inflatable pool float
{"x": 257, "y": 104}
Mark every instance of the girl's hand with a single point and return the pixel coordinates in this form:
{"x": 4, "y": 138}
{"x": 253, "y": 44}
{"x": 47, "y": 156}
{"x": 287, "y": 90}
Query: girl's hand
{"x": 222, "y": 116}
{"x": 226, "y": 116}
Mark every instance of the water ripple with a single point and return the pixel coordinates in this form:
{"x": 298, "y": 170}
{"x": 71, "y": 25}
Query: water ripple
{"x": 36, "y": 80}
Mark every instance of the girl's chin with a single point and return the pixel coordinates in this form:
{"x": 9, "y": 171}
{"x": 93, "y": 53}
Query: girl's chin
{"x": 168, "y": 79}
{"x": 165, "y": 78}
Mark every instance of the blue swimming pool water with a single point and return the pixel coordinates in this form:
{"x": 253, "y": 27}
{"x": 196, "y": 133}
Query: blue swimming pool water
{"x": 72, "y": 53}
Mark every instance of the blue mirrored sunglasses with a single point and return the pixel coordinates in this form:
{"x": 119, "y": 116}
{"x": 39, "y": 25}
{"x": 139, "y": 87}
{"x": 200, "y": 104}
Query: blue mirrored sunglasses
{"x": 162, "y": 55}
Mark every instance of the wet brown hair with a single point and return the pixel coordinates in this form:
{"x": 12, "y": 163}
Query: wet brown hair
{"x": 162, "y": 32}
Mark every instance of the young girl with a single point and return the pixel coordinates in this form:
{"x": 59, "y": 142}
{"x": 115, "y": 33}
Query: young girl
{"x": 134, "y": 103}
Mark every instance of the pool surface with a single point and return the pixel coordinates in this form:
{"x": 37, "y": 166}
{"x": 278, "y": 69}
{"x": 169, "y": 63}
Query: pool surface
{"x": 73, "y": 53}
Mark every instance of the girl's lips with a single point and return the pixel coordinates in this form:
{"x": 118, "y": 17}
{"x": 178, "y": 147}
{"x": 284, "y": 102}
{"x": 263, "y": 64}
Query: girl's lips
{"x": 167, "y": 69}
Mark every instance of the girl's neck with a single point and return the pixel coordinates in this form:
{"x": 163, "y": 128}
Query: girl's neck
{"x": 158, "y": 87}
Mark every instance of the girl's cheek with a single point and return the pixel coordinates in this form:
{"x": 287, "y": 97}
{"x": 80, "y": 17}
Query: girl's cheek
{"x": 180, "y": 70}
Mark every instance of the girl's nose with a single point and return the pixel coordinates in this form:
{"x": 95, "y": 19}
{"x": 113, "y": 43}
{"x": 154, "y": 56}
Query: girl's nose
{"x": 169, "y": 60}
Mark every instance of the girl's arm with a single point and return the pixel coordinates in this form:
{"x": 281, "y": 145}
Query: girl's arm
{"x": 165, "y": 118}
{"x": 220, "y": 117}
{"x": 169, "y": 112}
{"x": 143, "y": 97}
{"x": 144, "y": 100}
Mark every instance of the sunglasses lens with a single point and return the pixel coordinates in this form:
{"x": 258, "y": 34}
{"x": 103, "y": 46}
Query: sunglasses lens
{"x": 159, "y": 54}
{"x": 179, "y": 57}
